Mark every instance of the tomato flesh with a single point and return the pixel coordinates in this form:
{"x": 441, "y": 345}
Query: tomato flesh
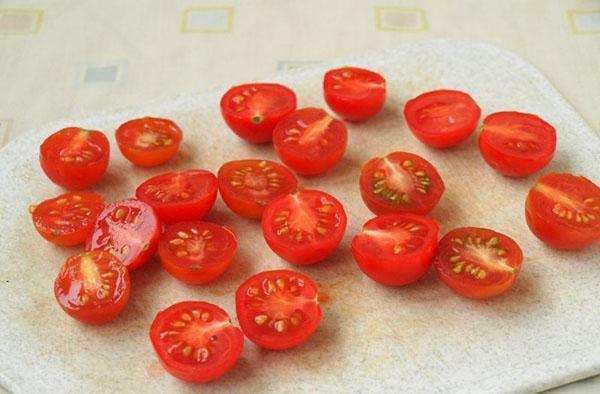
{"x": 246, "y": 186}
{"x": 75, "y": 158}
{"x": 195, "y": 341}
{"x": 304, "y": 227}
{"x": 477, "y": 262}
{"x": 93, "y": 287}
{"x": 563, "y": 210}
{"x": 396, "y": 249}
{"x": 400, "y": 182}
{"x": 253, "y": 110}
{"x": 310, "y": 141}
{"x": 278, "y": 309}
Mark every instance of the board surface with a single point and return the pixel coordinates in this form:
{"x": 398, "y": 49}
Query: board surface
{"x": 373, "y": 338}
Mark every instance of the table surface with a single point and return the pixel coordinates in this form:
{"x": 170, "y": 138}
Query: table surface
{"x": 72, "y": 58}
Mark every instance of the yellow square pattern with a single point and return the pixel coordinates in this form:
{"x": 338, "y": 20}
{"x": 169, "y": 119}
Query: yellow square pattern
{"x": 20, "y": 21}
{"x": 400, "y": 19}
{"x": 207, "y": 20}
{"x": 584, "y": 21}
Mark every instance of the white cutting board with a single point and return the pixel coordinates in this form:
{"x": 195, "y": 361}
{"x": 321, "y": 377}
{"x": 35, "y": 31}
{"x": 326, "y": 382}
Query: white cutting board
{"x": 418, "y": 338}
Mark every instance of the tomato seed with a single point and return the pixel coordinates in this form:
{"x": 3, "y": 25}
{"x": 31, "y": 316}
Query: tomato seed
{"x": 280, "y": 325}
{"x": 260, "y": 319}
{"x": 186, "y": 317}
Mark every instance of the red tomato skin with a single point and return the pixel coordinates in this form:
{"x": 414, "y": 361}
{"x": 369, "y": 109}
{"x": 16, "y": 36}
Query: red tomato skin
{"x": 70, "y": 175}
{"x": 244, "y": 127}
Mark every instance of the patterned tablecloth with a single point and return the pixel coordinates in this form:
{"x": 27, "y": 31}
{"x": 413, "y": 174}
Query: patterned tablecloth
{"x": 72, "y": 58}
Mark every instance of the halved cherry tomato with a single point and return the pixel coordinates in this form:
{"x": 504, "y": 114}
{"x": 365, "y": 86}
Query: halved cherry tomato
{"x": 304, "y": 227}
{"x": 278, "y": 309}
{"x": 195, "y": 341}
{"x": 148, "y": 142}
{"x": 442, "y": 118}
{"x": 253, "y": 110}
{"x": 93, "y": 287}
{"x": 400, "y": 182}
{"x": 396, "y": 249}
{"x": 75, "y": 158}
{"x": 129, "y": 229}
{"x": 478, "y": 262}
{"x": 310, "y": 141}
{"x": 67, "y": 219}
{"x": 354, "y": 93}
{"x": 247, "y": 186}
{"x": 196, "y": 252}
{"x": 563, "y": 210}
{"x": 517, "y": 144}
{"x": 177, "y": 196}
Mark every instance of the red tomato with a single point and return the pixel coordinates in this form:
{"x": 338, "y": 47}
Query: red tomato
{"x": 129, "y": 229}
{"x": 310, "y": 141}
{"x": 247, "y": 186}
{"x": 516, "y": 144}
{"x": 400, "y": 182}
{"x": 75, "y": 158}
{"x": 67, "y": 219}
{"x": 148, "y": 142}
{"x": 442, "y": 118}
{"x": 195, "y": 341}
{"x": 563, "y": 210}
{"x": 478, "y": 262}
{"x": 304, "y": 227}
{"x": 278, "y": 309}
{"x": 354, "y": 93}
{"x": 196, "y": 252}
{"x": 253, "y": 110}
{"x": 93, "y": 287}
{"x": 396, "y": 249}
{"x": 178, "y": 196}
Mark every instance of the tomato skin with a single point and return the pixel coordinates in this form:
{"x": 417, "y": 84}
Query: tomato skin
{"x": 542, "y": 217}
{"x": 70, "y": 169}
{"x": 360, "y": 104}
{"x": 244, "y": 123}
{"x": 390, "y": 269}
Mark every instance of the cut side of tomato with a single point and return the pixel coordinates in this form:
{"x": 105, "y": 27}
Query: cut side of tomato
{"x": 178, "y": 196}
{"x": 396, "y": 249}
{"x": 478, "y": 262}
{"x": 517, "y": 144}
{"x": 129, "y": 229}
{"x": 247, "y": 186}
{"x": 442, "y": 118}
{"x": 252, "y": 110}
{"x": 563, "y": 210}
{"x": 93, "y": 287}
{"x": 400, "y": 182}
{"x": 310, "y": 141}
{"x": 67, "y": 219}
{"x": 354, "y": 93}
{"x": 75, "y": 158}
{"x": 278, "y": 309}
{"x": 304, "y": 227}
{"x": 195, "y": 341}
{"x": 149, "y": 142}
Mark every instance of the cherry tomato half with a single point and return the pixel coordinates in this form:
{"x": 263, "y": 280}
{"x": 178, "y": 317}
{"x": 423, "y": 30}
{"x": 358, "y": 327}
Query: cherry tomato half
{"x": 247, "y": 186}
{"x": 177, "y": 196}
{"x": 563, "y": 210}
{"x": 129, "y": 229}
{"x": 517, "y": 144}
{"x": 442, "y": 118}
{"x": 304, "y": 227}
{"x": 75, "y": 158}
{"x": 148, "y": 142}
{"x": 253, "y": 110}
{"x": 396, "y": 249}
{"x": 354, "y": 93}
{"x": 478, "y": 262}
{"x": 278, "y": 309}
{"x": 93, "y": 287}
{"x": 310, "y": 141}
{"x": 195, "y": 341}
{"x": 400, "y": 182}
